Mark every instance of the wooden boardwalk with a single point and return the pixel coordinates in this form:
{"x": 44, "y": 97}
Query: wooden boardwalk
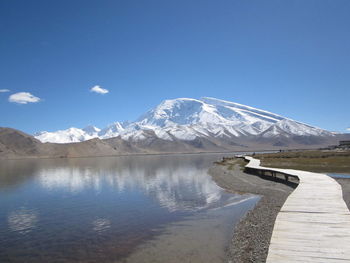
{"x": 313, "y": 225}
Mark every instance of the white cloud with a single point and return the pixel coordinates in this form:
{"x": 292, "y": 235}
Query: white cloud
{"x": 4, "y": 90}
{"x": 99, "y": 90}
{"x": 348, "y": 129}
{"x": 23, "y": 98}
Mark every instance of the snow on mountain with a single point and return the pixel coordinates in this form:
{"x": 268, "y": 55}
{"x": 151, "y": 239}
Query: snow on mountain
{"x": 91, "y": 130}
{"x": 290, "y": 128}
{"x": 112, "y": 130}
{"x": 68, "y": 135}
{"x": 187, "y": 119}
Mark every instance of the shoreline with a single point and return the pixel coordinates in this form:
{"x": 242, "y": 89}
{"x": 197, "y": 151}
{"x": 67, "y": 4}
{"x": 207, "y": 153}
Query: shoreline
{"x": 257, "y": 151}
{"x": 128, "y": 155}
{"x": 251, "y": 236}
{"x": 200, "y": 237}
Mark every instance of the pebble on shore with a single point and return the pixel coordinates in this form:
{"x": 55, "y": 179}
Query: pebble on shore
{"x": 252, "y": 234}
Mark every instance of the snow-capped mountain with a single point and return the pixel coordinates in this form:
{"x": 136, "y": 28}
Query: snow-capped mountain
{"x": 91, "y": 130}
{"x": 68, "y": 135}
{"x": 112, "y": 130}
{"x": 189, "y": 119}
{"x": 288, "y": 128}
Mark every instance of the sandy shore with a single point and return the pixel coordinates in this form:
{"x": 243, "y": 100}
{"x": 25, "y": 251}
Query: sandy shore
{"x": 252, "y": 234}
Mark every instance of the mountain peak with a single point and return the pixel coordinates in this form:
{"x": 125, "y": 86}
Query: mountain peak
{"x": 181, "y": 111}
{"x": 188, "y": 119}
{"x": 90, "y": 129}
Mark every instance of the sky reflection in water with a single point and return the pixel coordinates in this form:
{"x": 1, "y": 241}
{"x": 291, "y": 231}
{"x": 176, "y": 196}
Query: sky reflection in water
{"x": 54, "y": 208}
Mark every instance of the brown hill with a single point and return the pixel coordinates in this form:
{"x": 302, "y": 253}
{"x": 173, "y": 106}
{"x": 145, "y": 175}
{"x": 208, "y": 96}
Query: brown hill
{"x": 16, "y": 144}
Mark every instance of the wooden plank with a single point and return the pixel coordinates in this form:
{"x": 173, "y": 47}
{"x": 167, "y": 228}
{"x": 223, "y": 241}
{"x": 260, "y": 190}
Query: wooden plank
{"x": 313, "y": 225}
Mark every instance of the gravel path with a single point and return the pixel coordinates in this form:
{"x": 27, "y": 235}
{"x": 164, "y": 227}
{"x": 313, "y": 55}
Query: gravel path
{"x": 252, "y": 234}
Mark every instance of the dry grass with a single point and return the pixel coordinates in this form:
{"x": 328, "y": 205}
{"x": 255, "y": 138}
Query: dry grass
{"x": 315, "y": 161}
{"x": 230, "y": 162}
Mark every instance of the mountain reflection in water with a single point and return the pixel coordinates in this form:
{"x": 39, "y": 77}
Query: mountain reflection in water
{"x": 99, "y": 208}
{"x": 175, "y": 185}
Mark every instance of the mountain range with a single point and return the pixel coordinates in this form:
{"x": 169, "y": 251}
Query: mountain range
{"x": 176, "y": 125}
{"x": 188, "y": 119}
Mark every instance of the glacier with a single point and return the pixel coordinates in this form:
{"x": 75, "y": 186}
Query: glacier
{"x": 188, "y": 119}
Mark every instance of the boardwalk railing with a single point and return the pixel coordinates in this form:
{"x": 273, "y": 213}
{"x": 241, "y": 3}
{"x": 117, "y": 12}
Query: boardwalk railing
{"x": 254, "y": 166}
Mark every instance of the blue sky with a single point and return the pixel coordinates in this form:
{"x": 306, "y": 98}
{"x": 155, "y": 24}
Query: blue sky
{"x": 288, "y": 57}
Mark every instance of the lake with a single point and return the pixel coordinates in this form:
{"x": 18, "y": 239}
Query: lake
{"x": 116, "y": 209}
{"x": 339, "y": 176}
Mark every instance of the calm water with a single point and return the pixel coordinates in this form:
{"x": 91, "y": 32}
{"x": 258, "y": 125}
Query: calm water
{"x": 347, "y": 176}
{"x": 103, "y": 209}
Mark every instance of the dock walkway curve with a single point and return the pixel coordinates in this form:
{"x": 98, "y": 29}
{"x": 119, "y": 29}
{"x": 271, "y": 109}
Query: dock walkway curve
{"x": 313, "y": 225}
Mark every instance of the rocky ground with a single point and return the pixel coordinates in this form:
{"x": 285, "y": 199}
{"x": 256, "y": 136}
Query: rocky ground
{"x": 345, "y": 184}
{"x": 252, "y": 234}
